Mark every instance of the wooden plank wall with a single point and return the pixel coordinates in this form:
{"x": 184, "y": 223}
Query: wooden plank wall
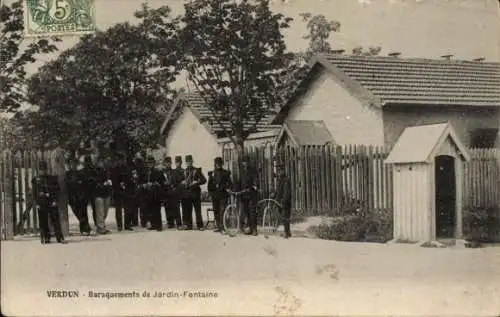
{"x": 17, "y": 169}
{"x": 482, "y": 179}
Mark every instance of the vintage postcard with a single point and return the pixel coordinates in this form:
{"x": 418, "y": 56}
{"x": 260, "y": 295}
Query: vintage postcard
{"x": 250, "y": 157}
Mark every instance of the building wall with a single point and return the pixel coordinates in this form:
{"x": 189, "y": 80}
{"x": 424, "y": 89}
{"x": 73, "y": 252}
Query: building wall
{"x": 464, "y": 120}
{"x": 348, "y": 120}
{"x": 189, "y": 136}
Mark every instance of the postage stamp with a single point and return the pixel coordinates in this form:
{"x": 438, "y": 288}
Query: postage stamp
{"x": 58, "y": 17}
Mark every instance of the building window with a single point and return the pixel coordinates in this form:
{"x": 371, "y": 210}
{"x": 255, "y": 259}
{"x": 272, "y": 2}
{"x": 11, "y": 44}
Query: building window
{"x": 484, "y": 138}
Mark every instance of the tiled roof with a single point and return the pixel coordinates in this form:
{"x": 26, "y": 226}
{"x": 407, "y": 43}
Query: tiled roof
{"x": 308, "y": 132}
{"x": 417, "y": 143}
{"x": 197, "y": 104}
{"x": 395, "y": 80}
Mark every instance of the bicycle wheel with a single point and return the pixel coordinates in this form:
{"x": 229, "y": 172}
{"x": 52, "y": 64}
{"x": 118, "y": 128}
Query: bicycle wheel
{"x": 271, "y": 214}
{"x": 231, "y": 219}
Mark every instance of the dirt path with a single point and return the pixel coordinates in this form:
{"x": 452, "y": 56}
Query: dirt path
{"x": 252, "y": 275}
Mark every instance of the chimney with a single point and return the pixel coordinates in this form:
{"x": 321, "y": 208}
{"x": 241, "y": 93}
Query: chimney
{"x": 394, "y": 54}
{"x": 338, "y": 52}
{"x": 448, "y": 56}
{"x": 479, "y": 59}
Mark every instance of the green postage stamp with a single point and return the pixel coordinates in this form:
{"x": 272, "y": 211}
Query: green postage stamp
{"x": 58, "y": 17}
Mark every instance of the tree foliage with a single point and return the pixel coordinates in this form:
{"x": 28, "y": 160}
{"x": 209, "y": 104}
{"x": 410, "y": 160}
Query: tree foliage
{"x": 108, "y": 87}
{"x": 319, "y": 29}
{"x": 15, "y": 53}
{"x": 235, "y": 56}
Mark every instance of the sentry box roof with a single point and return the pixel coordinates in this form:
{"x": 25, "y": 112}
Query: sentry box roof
{"x": 419, "y": 144}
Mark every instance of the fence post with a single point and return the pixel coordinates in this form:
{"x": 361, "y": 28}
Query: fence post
{"x": 8, "y": 202}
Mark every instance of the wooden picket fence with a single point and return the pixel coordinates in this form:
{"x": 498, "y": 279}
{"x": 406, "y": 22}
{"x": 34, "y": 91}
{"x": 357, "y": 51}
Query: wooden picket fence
{"x": 482, "y": 179}
{"x": 17, "y": 169}
{"x": 326, "y": 180}
{"x": 331, "y": 180}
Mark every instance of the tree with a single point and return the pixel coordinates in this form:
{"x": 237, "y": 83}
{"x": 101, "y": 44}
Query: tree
{"x": 13, "y": 58}
{"x": 319, "y": 30}
{"x": 108, "y": 87}
{"x": 234, "y": 54}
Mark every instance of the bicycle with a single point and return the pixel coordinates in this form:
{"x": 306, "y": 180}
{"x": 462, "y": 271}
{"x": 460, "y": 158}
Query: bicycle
{"x": 231, "y": 217}
{"x": 271, "y": 211}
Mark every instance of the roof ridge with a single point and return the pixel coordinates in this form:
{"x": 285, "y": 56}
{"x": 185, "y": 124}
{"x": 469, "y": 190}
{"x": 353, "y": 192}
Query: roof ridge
{"x": 412, "y": 59}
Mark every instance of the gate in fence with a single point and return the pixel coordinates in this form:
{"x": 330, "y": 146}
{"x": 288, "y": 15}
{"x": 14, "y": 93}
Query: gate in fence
{"x": 17, "y": 169}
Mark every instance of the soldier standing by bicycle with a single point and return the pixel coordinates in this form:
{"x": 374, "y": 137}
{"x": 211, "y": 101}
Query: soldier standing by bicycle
{"x": 219, "y": 185}
{"x": 284, "y": 197}
{"x": 248, "y": 186}
{"x": 46, "y": 189}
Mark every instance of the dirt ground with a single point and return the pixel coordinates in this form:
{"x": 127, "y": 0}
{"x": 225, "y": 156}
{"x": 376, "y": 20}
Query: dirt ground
{"x": 249, "y": 275}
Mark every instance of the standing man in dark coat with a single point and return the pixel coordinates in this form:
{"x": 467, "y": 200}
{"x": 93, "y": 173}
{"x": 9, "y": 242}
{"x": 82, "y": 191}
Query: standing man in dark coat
{"x": 248, "y": 186}
{"x": 175, "y": 198}
{"x": 219, "y": 185}
{"x": 46, "y": 189}
{"x": 284, "y": 197}
{"x": 151, "y": 182}
{"x": 191, "y": 198}
{"x": 89, "y": 172}
{"x": 168, "y": 187}
{"x": 78, "y": 195}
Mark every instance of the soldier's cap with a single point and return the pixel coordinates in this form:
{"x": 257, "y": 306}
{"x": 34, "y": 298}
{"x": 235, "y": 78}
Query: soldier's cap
{"x": 218, "y": 160}
{"x": 167, "y": 159}
{"x": 43, "y": 165}
{"x": 178, "y": 159}
{"x": 188, "y": 158}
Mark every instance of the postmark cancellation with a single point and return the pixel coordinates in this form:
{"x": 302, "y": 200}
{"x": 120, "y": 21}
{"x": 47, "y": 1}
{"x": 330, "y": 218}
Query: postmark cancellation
{"x": 58, "y": 17}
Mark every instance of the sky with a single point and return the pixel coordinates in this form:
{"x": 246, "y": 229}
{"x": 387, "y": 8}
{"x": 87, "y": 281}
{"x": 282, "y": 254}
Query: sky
{"x": 466, "y": 29}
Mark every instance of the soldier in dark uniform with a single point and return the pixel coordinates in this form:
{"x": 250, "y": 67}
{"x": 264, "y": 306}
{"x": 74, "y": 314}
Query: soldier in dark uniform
{"x": 118, "y": 178}
{"x": 78, "y": 195}
{"x": 219, "y": 185}
{"x": 46, "y": 189}
{"x": 168, "y": 187}
{"x": 89, "y": 172}
{"x": 151, "y": 182}
{"x": 248, "y": 185}
{"x": 175, "y": 198}
{"x": 284, "y": 197}
{"x": 191, "y": 197}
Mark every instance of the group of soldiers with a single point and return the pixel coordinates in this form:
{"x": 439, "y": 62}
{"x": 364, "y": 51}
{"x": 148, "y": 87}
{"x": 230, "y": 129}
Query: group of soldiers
{"x": 139, "y": 189}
